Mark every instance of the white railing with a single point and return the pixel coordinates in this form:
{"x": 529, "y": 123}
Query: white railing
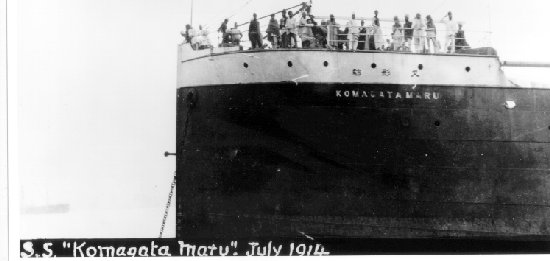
{"x": 417, "y": 40}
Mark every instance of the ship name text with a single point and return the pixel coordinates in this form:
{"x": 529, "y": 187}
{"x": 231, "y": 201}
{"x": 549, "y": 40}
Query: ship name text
{"x": 424, "y": 95}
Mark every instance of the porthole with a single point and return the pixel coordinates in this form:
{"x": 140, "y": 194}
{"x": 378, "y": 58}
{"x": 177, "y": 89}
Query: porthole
{"x": 289, "y": 64}
{"x": 325, "y": 64}
{"x": 420, "y": 67}
{"x": 373, "y": 65}
{"x": 468, "y": 69}
{"x": 437, "y": 123}
{"x": 245, "y": 65}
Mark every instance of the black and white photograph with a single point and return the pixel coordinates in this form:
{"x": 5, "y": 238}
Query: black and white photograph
{"x": 193, "y": 128}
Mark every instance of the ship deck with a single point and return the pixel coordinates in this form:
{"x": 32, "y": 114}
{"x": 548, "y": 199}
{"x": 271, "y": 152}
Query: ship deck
{"x": 217, "y": 51}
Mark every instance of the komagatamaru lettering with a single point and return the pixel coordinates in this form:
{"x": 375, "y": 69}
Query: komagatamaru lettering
{"x": 424, "y": 95}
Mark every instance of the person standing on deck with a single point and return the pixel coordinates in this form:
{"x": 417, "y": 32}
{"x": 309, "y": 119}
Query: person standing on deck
{"x": 461, "y": 42}
{"x": 332, "y": 29}
{"x": 223, "y": 30}
{"x": 305, "y": 31}
{"x": 195, "y": 37}
{"x": 187, "y": 33}
{"x": 191, "y": 35}
{"x": 378, "y": 35}
{"x": 306, "y": 7}
{"x": 450, "y": 32}
{"x": 408, "y": 32}
{"x": 362, "y": 36}
{"x": 236, "y": 35}
{"x": 431, "y": 34}
{"x": 419, "y": 34}
{"x": 273, "y": 32}
{"x": 291, "y": 25}
{"x": 397, "y": 34}
{"x": 254, "y": 34}
{"x": 320, "y": 33}
{"x": 353, "y": 33}
{"x": 284, "y": 31}
{"x": 203, "y": 38}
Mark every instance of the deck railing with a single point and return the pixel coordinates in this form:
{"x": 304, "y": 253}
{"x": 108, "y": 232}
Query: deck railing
{"x": 378, "y": 38}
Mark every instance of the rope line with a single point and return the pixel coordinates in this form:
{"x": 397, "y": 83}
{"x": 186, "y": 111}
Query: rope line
{"x": 173, "y": 186}
{"x": 167, "y": 209}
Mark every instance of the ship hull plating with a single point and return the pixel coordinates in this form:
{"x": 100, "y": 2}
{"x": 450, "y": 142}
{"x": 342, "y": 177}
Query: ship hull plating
{"x": 362, "y": 161}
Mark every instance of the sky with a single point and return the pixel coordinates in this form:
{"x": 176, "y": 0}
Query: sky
{"x": 97, "y": 98}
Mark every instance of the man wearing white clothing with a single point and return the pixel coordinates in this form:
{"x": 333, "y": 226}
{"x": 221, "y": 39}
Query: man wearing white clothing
{"x": 291, "y": 25}
{"x": 419, "y": 34}
{"x": 451, "y": 27}
{"x": 353, "y": 33}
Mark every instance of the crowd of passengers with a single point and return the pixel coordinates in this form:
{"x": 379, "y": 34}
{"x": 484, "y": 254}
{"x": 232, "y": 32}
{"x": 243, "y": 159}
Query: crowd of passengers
{"x": 300, "y": 30}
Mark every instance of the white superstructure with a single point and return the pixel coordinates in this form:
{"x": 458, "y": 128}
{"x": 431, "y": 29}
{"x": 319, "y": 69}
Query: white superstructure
{"x": 324, "y": 66}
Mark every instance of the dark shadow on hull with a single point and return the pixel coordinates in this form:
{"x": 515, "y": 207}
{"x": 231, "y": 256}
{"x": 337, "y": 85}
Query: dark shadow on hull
{"x": 361, "y": 161}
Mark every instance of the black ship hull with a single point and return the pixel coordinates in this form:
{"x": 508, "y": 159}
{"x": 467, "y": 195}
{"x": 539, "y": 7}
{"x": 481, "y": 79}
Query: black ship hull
{"x": 337, "y": 160}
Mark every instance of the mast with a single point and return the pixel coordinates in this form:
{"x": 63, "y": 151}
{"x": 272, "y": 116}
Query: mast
{"x": 191, "y": 12}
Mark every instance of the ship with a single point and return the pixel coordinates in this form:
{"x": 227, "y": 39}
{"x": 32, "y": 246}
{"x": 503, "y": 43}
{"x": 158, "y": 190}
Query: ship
{"x": 368, "y": 144}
